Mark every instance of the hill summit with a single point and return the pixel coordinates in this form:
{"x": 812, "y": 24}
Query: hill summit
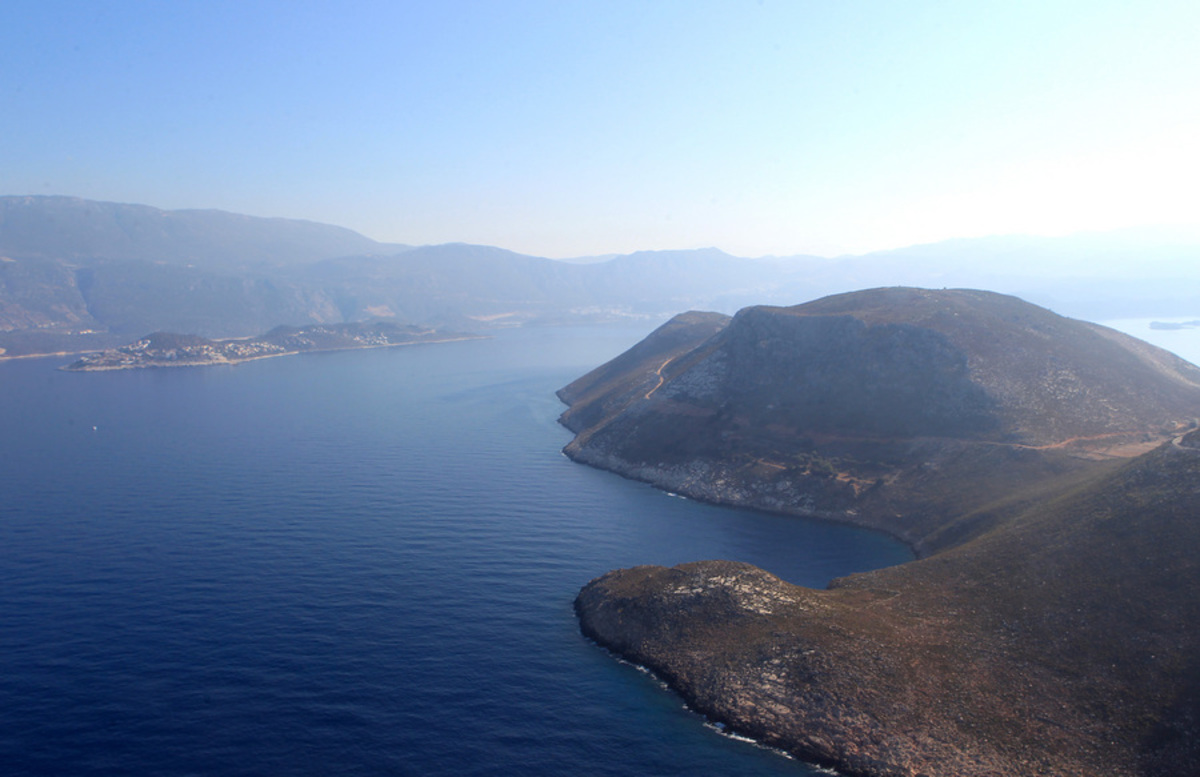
{"x": 878, "y": 406}
{"x": 1046, "y": 468}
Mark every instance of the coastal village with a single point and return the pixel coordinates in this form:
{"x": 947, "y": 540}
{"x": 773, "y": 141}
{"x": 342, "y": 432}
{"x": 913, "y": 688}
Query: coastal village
{"x": 165, "y": 349}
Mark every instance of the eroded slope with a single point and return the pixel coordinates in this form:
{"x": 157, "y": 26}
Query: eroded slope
{"x": 1061, "y": 643}
{"x": 877, "y": 407}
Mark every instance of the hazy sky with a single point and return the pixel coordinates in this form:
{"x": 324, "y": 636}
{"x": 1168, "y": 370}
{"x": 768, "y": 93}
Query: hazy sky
{"x": 571, "y": 128}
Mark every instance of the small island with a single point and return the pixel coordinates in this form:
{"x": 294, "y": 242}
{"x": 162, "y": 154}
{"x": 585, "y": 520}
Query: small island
{"x": 167, "y": 349}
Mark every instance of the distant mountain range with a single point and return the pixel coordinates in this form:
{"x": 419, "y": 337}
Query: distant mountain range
{"x": 78, "y": 274}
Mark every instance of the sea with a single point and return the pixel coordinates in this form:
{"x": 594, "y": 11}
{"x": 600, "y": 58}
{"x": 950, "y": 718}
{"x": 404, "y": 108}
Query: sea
{"x": 346, "y": 563}
{"x": 1183, "y": 341}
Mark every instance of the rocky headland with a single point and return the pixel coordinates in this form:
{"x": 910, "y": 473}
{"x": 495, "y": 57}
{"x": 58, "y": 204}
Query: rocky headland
{"x": 1044, "y": 469}
{"x": 876, "y": 407}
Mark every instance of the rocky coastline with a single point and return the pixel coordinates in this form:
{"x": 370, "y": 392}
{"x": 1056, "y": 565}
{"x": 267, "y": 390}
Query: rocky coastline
{"x": 1047, "y": 647}
{"x": 1048, "y": 491}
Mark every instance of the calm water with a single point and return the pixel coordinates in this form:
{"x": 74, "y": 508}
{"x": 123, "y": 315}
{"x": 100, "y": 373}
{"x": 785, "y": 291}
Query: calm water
{"x": 356, "y": 563}
{"x": 1183, "y": 342}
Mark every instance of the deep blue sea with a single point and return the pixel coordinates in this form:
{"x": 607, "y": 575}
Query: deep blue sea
{"x": 352, "y": 563}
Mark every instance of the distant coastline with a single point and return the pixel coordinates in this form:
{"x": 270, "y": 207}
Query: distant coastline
{"x": 1173, "y": 325}
{"x": 5, "y": 358}
{"x": 165, "y": 349}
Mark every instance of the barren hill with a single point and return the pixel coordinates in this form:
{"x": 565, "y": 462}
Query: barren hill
{"x": 1045, "y": 468}
{"x": 879, "y": 407}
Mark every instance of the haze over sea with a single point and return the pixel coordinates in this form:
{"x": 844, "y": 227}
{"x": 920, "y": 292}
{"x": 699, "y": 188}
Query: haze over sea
{"x": 349, "y": 563}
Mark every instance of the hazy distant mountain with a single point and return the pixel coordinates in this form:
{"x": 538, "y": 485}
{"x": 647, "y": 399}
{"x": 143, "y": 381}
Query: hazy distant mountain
{"x": 1125, "y": 253}
{"x": 729, "y": 282}
{"x": 106, "y": 272}
{"x": 456, "y": 283}
{"x": 85, "y": 231}
{"x": 72, "y": 268}
{"x": 76, "y": 273}
{"x": 1124, "y": 273}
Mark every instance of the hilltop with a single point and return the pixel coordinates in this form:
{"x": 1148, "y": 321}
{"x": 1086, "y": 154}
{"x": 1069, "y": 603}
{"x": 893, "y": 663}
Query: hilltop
{"x": 1046, "y": 469}
{"x": 875, "y": 407}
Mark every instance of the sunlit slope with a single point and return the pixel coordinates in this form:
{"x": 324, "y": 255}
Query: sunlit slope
{"x": 931, "y": 414}
{"x": 1062, "y": 642}
{"x": 611, "y": 387}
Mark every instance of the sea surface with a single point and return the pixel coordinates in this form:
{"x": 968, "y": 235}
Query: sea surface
{"x": 351, "y": 563}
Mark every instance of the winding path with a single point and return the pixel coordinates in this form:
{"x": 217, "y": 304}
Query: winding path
{"x": 661, "y": 379}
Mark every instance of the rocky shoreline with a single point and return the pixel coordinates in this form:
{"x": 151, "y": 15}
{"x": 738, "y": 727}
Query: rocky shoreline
{"x": 770, "y": 662}
{"x": 1041, "y": 469}
{"x": 163, "y": 349}
{"x": 720, "y": 484}
{"x": 1046, "y": 648}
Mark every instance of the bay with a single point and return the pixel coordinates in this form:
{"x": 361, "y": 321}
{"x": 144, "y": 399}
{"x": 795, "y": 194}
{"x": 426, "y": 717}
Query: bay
{"x": 353, "y": 563}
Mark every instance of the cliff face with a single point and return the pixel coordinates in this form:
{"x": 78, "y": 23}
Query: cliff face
{"x": 876, "y": 407}
{"x": 1063, "y": 642}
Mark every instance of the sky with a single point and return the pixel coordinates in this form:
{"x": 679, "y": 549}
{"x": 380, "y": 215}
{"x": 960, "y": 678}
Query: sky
{"x": 567, "y": 129}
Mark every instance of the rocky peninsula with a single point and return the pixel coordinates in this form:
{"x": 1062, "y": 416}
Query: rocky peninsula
{"x": 1044, "y": 469}
{"x": 166, "y": 349}
{"x": 879, "y": 408}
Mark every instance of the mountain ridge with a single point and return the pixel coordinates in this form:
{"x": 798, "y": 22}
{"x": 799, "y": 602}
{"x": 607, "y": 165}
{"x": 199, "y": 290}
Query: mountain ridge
{"x": 76, "y": 272}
